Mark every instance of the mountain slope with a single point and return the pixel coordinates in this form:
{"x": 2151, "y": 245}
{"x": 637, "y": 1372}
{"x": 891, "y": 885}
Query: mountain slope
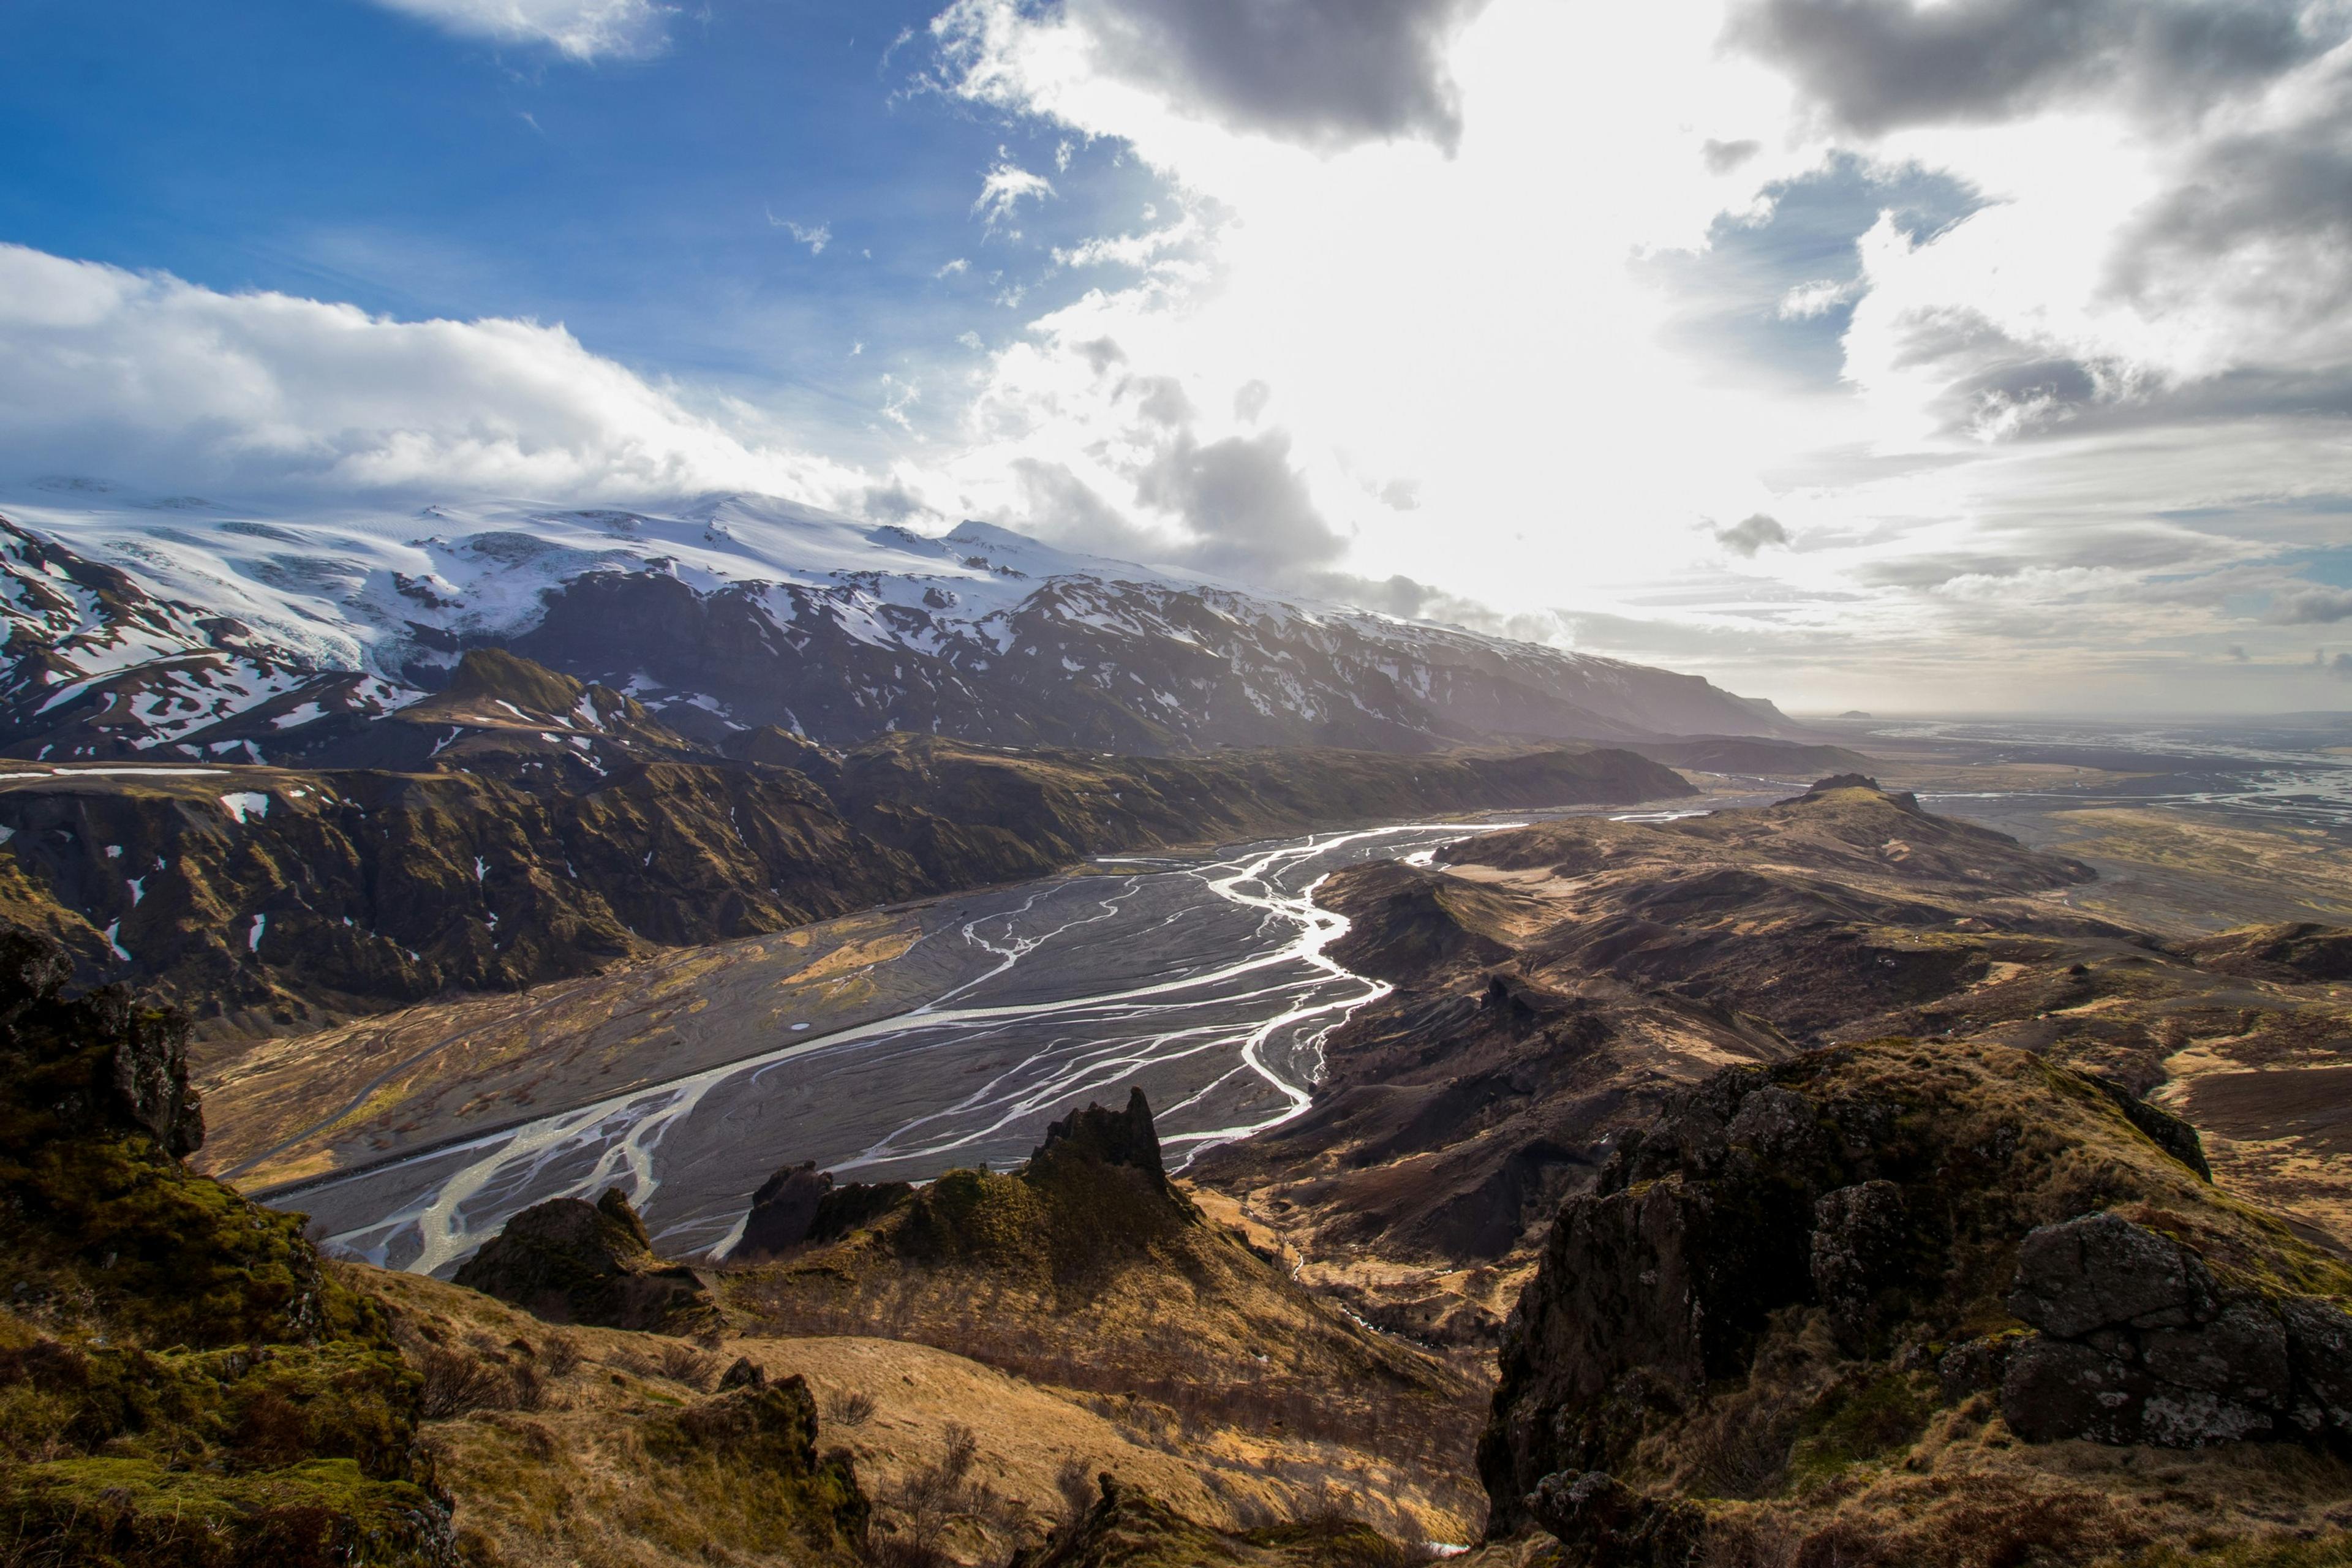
{"x": 179, "y": 629}
{"x": 518, "y": 827}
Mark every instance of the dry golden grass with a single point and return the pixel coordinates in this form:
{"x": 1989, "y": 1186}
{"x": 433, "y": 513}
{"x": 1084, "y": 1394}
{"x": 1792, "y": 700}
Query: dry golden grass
{"x": 567, "y": 1481}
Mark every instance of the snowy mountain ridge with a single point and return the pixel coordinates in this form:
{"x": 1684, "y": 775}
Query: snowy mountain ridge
{"x": 204, "y": 630}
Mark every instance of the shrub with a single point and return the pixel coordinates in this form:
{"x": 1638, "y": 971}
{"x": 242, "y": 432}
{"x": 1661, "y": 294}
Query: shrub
{"x": 848, "y": 1407}
{"x": 454, "y": 1383}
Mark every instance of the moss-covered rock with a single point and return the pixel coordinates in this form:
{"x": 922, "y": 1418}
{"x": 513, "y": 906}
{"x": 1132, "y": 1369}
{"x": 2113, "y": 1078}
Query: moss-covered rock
{"x": 574, "y": 1262}
{"x": 1794, "y": 1272}
{"x": 181, "y": 1382}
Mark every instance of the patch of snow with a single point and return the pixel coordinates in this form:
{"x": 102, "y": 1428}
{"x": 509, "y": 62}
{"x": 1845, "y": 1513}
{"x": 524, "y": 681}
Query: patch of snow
{"x": 245, "y": 803}
{"x": 113, "y": 946}
{"x": 253, "y": 938}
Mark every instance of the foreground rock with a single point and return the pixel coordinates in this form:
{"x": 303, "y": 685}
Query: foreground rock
{"x": 1852, "y": 1282}
{"x": 573, "y": 1262}
{"x": 181, "y": 1380}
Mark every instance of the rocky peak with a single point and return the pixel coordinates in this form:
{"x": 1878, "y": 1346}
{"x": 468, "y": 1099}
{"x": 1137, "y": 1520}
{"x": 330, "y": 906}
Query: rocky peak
{"x": 783, "y": 1211}
{"x": 1099, "y": 1136}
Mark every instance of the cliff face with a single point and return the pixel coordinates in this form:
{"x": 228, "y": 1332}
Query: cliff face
{"x": 540, "y": 829}
{"x": 1866, "y": 1273}
{"x": 181, "y": 1382}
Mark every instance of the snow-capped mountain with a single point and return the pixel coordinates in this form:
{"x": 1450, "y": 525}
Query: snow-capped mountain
{"x": 178, "y": 628}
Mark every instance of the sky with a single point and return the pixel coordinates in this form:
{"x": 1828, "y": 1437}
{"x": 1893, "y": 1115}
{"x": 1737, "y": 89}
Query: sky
{"x": 1918, "y": 356}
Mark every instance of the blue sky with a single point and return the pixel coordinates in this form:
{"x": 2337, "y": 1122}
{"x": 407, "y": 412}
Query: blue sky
{"x": 338, "y": 150}
{"x": 1844, "y": 351}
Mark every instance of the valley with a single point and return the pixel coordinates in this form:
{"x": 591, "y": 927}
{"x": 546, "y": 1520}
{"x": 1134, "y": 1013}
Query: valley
{"x": 1113, "y": 1129}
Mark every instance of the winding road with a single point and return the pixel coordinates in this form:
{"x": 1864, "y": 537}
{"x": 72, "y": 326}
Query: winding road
{"x": 1206, "y": 983}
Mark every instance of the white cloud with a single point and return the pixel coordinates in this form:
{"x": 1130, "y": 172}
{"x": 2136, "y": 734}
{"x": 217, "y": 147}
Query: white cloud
{"x": 2143, "y": 314}
{"x": 582, "y": 30}
{"x": 816, "y": 239}
{"x": 1006, "y": 187}
{"x": 142, "y": 378}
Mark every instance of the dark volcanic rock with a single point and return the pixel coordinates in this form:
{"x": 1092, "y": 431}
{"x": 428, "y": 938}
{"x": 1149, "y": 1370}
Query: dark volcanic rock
{"x": 854, "y": 1207}
{"x": 100, "y": 1060}
{"x": 2167, "y": 1131}
{"x": 573, "y": 1262}
{"x": 1099, "y": 1136}
{"x": 1900, "y": 1195}
{"x": 1602, "y": 1522}
{"x": 2102, "y": 1270}
{"x": 783, "y": 1211}
{"x": 2139, "y": 1345}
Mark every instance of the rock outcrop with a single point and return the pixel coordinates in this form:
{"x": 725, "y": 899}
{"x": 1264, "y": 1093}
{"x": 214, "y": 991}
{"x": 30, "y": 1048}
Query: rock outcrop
{"x": 2138, "y": 1343}
{"x": 1128, "y": 1528}
{"x": 1799, "y": 1265}
{"x": 570, "y": 1261}
{"x": 1089, "y": 1140}
{"x": 783, "y": 1211}
{"x": 181, "y": 1380}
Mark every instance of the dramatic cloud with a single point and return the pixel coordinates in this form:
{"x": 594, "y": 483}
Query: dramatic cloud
{"x": 1880, "y": 65}
{"x": 1240, "y": 497}
{"x": 1322, "y": 73}
{"x": 582, "y": 29}
{"x": 145, "y": 378}
{"x": 1752, "y": 534}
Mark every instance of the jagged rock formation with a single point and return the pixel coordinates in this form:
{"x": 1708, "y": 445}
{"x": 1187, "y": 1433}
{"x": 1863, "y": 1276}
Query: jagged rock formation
{"x": 558, "y": 828}
{"x": 574, "y": 1262}
{"x": 783, "y": 1211}
{"x": 1797, "y": 1271}
{"x": 181, "y": 1382}
{"x": 1085, "y": 1143}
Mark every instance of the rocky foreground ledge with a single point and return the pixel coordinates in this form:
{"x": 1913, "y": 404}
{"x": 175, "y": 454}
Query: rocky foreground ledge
{"x": 1921, "y": 1303}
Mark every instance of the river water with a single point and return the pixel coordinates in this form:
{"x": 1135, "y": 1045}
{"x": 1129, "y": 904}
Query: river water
{"x": 1206, "y": 983}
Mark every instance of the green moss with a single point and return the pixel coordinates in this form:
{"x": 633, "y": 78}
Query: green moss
{"x": 181, "y": 1380}
{"x": 1860, "y": 1422}
{"x": 134, "y": 1513}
